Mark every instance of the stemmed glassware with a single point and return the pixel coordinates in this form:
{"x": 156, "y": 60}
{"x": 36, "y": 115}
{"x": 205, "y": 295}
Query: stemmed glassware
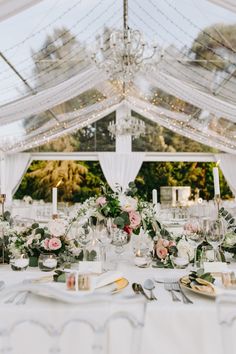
{"x": 84, "y": 237}
{"x": 195, "y": 235}
{"x": 215, "y": 234}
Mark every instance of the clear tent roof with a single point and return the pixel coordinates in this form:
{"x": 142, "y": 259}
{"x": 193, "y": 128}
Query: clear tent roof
{"x": 50, "y": 46}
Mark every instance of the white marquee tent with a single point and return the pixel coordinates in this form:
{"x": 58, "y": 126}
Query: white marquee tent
{"x": 210, "y": 94}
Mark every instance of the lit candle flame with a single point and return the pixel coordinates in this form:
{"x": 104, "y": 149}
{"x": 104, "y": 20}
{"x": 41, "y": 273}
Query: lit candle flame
{"x": 58, "y": 184}
{"x": 217, "y": 163}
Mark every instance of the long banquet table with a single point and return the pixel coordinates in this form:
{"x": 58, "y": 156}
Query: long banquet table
{"x": 170, "y": 328}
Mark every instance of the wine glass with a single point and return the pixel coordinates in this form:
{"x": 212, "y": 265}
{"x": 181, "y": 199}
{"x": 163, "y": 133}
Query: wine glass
{"x": 195, "y": 235}
{"x": 215, "y": 235}
{"x": 84, "y": 237}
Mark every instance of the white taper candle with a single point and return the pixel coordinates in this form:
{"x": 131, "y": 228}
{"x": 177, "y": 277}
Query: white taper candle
{"x": 3, "y": 173}
{"x": 216, "y": 180}
{"x": 54, "y": 201}
{"x": 154, "y": 196}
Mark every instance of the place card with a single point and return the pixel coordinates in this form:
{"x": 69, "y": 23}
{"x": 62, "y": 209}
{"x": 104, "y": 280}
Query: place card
{"x": 90, "y": 267}
{"x": 215, "y": 267}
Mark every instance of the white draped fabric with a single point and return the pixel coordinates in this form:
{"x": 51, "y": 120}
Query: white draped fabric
{"x": 174, "y": 121}
{"x": 227, "y": 4}
{"x": 10, "y": 8}
{"x": 51, "y": 97}
{"x": 15, "y": 167}
{"x": 80, "y": 121}
{"x": 228, "y": 167}
{"x": 193, "y": 95}
{"x": 120, "y": 169}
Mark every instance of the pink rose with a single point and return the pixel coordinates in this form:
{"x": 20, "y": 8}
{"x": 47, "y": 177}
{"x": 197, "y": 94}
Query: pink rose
{"x": 101, "y": 201}
{"x": 191, "y": 228}
{"x": 159, "y": 242}
{"x": 54, "y": 244}
{"x": 45, "y": 244}
{"x": 134, "y": 219}
{"x": 161, "y": 252}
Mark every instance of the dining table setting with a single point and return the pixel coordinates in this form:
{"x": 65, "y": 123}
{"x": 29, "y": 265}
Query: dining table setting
{"x": 113, "y": 260}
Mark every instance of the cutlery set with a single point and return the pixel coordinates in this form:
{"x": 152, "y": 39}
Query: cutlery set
{"x": 172, "y": 286}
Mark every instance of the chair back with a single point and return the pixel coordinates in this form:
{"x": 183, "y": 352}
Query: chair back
{"x": 99, "y": 325}
{"x": 226, "y": 310}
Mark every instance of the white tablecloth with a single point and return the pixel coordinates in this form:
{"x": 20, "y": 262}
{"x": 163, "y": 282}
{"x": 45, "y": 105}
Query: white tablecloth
{"x": 171, "y": 328}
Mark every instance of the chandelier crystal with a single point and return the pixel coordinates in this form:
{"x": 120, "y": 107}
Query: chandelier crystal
{"x": 126, "y": 55}
{"x": 129, "y": 125}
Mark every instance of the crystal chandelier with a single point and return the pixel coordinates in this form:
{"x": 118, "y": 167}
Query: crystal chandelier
{"x": 129, "y": 125}
{"x": 125, "y": 53}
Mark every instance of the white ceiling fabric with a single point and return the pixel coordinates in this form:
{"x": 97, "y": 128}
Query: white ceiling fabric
{"x": 48, "y": 98}
{"x": 89, "y": 116}
{"x": 10, "y": 8}
{"x": 175, "y": 74}
{"x": 227, "y": 4}
{"x": 191, "y": 94}
{"x": 174, "y": 122}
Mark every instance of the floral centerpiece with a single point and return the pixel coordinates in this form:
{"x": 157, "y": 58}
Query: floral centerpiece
{"x": 126, "y": 211}
{"x": 229, "y": 244}
{"x": 34, "y": 240}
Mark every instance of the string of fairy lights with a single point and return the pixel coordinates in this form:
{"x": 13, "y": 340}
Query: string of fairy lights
{"x": 70, "y": 56}
{"x": 79, "y": 21}
{"x": 152, "y": 18}
{"x": 142, "y": 9}
{"x": 97, "y": 97}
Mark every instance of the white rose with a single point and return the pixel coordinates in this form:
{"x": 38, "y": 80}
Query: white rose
{"x": 230, "y": 240}
{"x": 185, "y": 250}
{"x": 127, "y": 203}
{"x": 57, "y": 227}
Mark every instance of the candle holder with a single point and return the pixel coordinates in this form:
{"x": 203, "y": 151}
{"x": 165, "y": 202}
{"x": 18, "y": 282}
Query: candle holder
{"x": 217, "y": 200}
{"x": 2, "y": 201}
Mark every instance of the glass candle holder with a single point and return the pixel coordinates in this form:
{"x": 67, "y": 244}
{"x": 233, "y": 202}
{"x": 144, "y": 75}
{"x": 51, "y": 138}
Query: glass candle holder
{"x": 19, "y": 263}
{"x": 47, "y": 262}
{"x": 179, "y": 262}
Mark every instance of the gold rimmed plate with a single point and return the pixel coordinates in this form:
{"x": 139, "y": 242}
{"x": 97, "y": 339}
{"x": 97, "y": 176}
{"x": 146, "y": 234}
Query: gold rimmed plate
{"x": 204, "y": 293}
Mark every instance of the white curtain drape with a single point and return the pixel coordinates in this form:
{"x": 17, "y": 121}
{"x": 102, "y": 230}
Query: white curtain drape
{"x": 15, "y": 167}
{"x": 10, "y": 8}
{"x": 228, "y": 167}
{"x": 227, "y": 4}
{"x": 120, "y": 169}
{"x": 51, "y": 97}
